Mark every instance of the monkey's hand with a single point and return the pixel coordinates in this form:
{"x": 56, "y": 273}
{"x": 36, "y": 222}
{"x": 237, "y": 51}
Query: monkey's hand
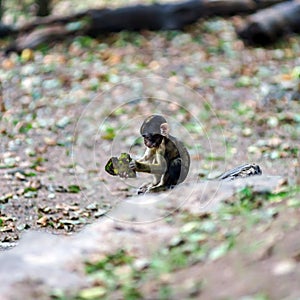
{"x": 137, "y": 166}
{"x": 124, "y": 175}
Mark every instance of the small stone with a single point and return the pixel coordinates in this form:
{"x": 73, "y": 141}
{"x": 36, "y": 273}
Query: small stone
{"x": 20, "y": 176}
{"x": 92, "y": 206}
{"x": 51, "y": 84}
{"x": 247, "y": 132}
{"x": 20, "y": 191}
{"x": 30, "y": 194}
{"x": 274, "y": 142}
{"x": 63, "y": 122}
{"x": 14, "y": 145}
{"x": 253, "y": 149}
{"x": 50, "y": 141}
{"x": 42, "y": 221}
{"x": 51, "y": 196}
{"x": 284, "y": 267}
{"x": 40, "y": 169}
{"x": 7, "y": 64}
{"x": 100, "y": 213}
{"x": 7, "y": 245}
{"x": 30, "y": 152}
{"x": 273, "y": 122}
{"x": 9, "y": 162}
{"x": 23, "y": 226}
{"x": 274, "y": 154}
{"x": 34, "y": 184}
{"x": 6, "y": 197}
{"x": 141, "y": 264}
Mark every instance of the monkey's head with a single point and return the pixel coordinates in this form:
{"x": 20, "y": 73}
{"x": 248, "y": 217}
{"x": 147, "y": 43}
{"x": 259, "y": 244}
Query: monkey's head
{"x": 153, "y": 129}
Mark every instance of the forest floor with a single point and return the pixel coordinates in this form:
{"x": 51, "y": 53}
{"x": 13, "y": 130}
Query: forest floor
{"x": 68, "y": 107}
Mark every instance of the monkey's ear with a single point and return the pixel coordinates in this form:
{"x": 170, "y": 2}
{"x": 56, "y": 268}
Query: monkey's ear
{"x": 164, "y": 129}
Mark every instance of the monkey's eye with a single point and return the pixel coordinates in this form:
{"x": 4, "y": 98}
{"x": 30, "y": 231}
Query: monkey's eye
{"x": 148, "y": 137}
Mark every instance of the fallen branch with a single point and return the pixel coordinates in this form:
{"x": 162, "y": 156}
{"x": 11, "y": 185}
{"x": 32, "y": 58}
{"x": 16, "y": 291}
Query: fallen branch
{"x": 267, "y": 25}
{"x": 5, "y": 30}
{"x": 133, "y": 18}
{"x": 242, "y": 171}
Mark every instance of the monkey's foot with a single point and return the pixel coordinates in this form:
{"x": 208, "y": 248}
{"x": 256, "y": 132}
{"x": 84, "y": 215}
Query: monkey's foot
{"x": 148, "y": 188}
{"x": 143, "y": 189}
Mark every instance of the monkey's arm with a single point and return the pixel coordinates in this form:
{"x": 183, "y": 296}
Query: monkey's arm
{"x": 149, "y": 168}
{"x": 148, "y": 156}
{"x": 158, "y": 167}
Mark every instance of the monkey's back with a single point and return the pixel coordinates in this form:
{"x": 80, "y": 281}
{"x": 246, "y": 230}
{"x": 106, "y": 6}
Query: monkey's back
{"x": 175, "y": 149}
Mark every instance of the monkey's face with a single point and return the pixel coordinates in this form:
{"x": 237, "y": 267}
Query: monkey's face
{"x": 152, "y": 140}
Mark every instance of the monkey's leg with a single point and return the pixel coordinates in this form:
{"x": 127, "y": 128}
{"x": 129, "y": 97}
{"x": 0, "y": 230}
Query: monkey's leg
{"x": 157, "y": 189}
{"x": 170, "y": 178}
{"x": 173, "y": 174}
{"x": 147, "y": 186}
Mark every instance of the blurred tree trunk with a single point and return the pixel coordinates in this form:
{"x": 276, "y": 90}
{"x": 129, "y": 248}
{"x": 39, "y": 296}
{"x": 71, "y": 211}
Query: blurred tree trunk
{"x": 43, "y": 7}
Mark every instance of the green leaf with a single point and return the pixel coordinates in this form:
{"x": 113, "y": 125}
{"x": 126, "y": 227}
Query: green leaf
{"x": 165, "y": 292}
{"x": 189, "y": 227}
{"x": 25, "y": 128}
{"x": 109, "y": 134}
{"x": 120, "y": 257}
{"x": 131, "y": 293}
{"x": 73, "y": 188}
{"x": 219, "y": 251}
{"x": 30, "y": 174}
{"x": 93, "y": 293}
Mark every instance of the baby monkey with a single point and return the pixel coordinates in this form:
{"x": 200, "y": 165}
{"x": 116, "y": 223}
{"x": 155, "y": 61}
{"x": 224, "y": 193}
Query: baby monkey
{"x": 166, "y": 157}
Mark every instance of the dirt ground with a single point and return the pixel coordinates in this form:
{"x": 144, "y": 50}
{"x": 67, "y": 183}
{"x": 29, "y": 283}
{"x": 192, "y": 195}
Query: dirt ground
{"x": 67, "y": 108}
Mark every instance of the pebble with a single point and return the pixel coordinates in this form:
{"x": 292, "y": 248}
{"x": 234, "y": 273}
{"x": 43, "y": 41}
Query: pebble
{"x": 284, "y": 267}
{"x": 30, "y": 194}
{"x": 51, "y": 196}
{"x": 247, "y": 132}
{"x": 63, "y": 122}
{"x": 273, "y": 122}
